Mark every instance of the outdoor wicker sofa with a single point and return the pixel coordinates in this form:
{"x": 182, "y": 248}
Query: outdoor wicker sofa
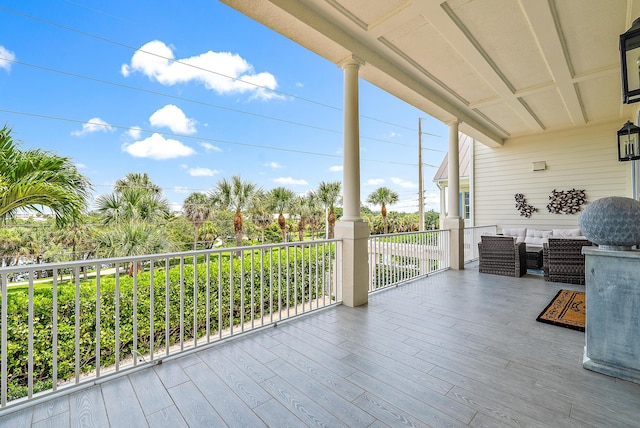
{"x": 502, "y": 255}
{"x": 563, "y": 261}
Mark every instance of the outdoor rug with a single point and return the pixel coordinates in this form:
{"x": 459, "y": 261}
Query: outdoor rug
{"x": 567, "y": 309}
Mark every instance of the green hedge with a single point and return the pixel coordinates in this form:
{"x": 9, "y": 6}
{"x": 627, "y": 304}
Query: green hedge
{"x": 283, "y": 290}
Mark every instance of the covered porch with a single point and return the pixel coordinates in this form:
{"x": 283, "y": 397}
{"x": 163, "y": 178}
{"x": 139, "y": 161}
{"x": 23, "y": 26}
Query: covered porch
{"x": 456, "y": 348}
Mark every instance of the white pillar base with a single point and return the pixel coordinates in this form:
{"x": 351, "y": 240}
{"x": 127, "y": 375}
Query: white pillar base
{"x": 455, "y": 226}
{"x": 355, "y": 261}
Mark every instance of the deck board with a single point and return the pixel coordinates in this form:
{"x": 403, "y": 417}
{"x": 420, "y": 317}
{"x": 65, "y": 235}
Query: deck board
{"x": 458, "y": 348}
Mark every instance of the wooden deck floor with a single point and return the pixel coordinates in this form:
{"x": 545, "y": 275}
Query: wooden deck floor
{"x": 459, "y": 348}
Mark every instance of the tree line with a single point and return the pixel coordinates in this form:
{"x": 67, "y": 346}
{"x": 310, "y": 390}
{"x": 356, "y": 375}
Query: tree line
{"x": 136, "y": 218}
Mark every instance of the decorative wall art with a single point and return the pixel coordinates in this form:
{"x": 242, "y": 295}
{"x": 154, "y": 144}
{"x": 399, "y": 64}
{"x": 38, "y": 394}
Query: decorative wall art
{"x": 566, "y": 201}
{"x": 522, "y": 205}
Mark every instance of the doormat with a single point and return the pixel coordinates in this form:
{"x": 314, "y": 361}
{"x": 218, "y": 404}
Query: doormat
{"x": 567, "y": 309}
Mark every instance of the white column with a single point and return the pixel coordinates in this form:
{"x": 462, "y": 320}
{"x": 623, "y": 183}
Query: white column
{"x": 453, "y": 222}
{"x": 453, "y": 172}
{"x": 351, "y": 166}
{"x": 351, "y": 229}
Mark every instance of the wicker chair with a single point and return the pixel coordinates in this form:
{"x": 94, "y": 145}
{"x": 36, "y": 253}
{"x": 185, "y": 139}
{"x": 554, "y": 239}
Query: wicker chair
{"x": 501, "y": 255}
{"x": 563, "y": 261}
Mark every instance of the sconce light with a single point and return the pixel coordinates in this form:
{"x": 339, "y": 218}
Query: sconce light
{"x": 630, "y": 63}
{"x": 628, "y": 142}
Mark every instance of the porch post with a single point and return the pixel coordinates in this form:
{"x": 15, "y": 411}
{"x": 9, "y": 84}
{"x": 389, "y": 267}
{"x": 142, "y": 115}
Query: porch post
{"x": 353, "y": 231}
{"x": 454, "y": 223}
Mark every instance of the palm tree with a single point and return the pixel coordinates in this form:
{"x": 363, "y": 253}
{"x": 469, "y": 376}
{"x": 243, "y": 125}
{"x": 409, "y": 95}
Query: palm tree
{"x": 134, "y": 212}
{"x": 316, "y": 214}
{"x": 10, "y": 243}
{"x": 133, "y": 204}
{"x": 33, "y": 179}
{"x": 260, "y": 212}
{"x": 135, "y": 180}
{"x": 132, "y": 238}
{"x": 329, "y": 195}
{"x": 234, "y": 194}
{"x": 383, "y": 196}
{"x": 197, "y": 209}
{"x": 301, "y": 208}
{"x": 280, "y": 199}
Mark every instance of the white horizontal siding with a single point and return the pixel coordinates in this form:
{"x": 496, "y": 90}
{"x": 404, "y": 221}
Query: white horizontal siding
{"x": 582, "y": 159}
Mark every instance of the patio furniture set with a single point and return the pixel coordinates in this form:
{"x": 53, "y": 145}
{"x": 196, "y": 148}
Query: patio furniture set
{"x": 557, "y": 252}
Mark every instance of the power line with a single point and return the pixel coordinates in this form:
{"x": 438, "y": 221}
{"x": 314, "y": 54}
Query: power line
{"x": 190, "y": 100}
{"x": 170, "y": 134}
{"x": 173, "y": 60}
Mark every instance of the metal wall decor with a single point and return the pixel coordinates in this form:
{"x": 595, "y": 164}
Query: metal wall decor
{"x": 522, "y": 205}
{"x": 566, "y": 201}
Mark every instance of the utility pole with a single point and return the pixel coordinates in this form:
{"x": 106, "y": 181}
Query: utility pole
{"x": 420, "y": 180}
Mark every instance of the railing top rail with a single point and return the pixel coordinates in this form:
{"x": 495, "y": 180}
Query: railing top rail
{"x": 384, "y": 235}
{"x": 481, "y": 227}
{"x": 160, "y": 256}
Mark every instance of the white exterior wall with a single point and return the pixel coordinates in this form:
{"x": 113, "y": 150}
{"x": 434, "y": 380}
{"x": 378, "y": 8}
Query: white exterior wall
{"x": 585, "y": 158}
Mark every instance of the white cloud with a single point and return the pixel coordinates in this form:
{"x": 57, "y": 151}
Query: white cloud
{"x": 202, "y": 172}
{"x": 299, "y": 85}
{"x": 375, "y": 181}
{"x": 274, "y": 165}
{"x": 93, "y": 125}
{"x": 175, "y": 207}
{"x": 403, "y": 183}
{"x": 134, "y": 132}
{"x": 157, "y": 61}
{"x": 335, "y": 168}
{"x": 394, "y": 134}
{"x": 180, "y": 189}
{"x": 158, "y": 147}
{"x": 5, "y": 56}
{"x": 81, "y": 166}
{"x": 170, "y": 116}
{"x": 291, "y": 181}
{"x": 210, "y": 147}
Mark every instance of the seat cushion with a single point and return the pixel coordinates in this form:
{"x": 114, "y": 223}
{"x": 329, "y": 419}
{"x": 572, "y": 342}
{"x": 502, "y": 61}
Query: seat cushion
{"x": 518, "y": 232}
{"x": 566, "y": 233}
{"x": 537, "y": 237}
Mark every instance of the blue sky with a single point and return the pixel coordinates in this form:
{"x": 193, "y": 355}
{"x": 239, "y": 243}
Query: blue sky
{"x": 74, "y": 80}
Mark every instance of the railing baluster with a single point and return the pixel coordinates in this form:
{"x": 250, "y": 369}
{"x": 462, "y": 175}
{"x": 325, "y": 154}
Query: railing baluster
{"x": 219, "y": 296}
{"x": 167, "y": 305}
{"x": 271, "y": 285}
{"x": 303, "y": 271}
{"x": 242, "y": 254}
{"x": 288, "y": 294}
{"x": 54, "y": 329}
{"x": 3, "y": 341}
{"x": 152, "y": 315}
{"x": 181, "y": 303}
{"x": 253, "y": 289}
{"x": 77, "y": 335}
{"x": 279, "y": 283}
{"x": 98, "y": 321}
{"x": 30, "y": 337}
{"x": 195, "y": 301}
{"x": 231, "y": 254}
{"x": 261, "y": 286}
{"x": 207, "y": 261}
{"x": 135, "y": 313}
{"x": 295, "y": 279}
{"x": 117, "y": 315}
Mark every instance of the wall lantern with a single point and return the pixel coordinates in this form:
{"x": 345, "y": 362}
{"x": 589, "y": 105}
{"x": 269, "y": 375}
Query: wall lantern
{"x": 628, "y": 142}
{"x": 630, "y": 63}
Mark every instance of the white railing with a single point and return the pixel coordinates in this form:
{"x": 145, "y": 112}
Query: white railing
{"x": 472, "y": 237}
{"x": 399, "y": 257}
{"x": 95, "y": 318}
